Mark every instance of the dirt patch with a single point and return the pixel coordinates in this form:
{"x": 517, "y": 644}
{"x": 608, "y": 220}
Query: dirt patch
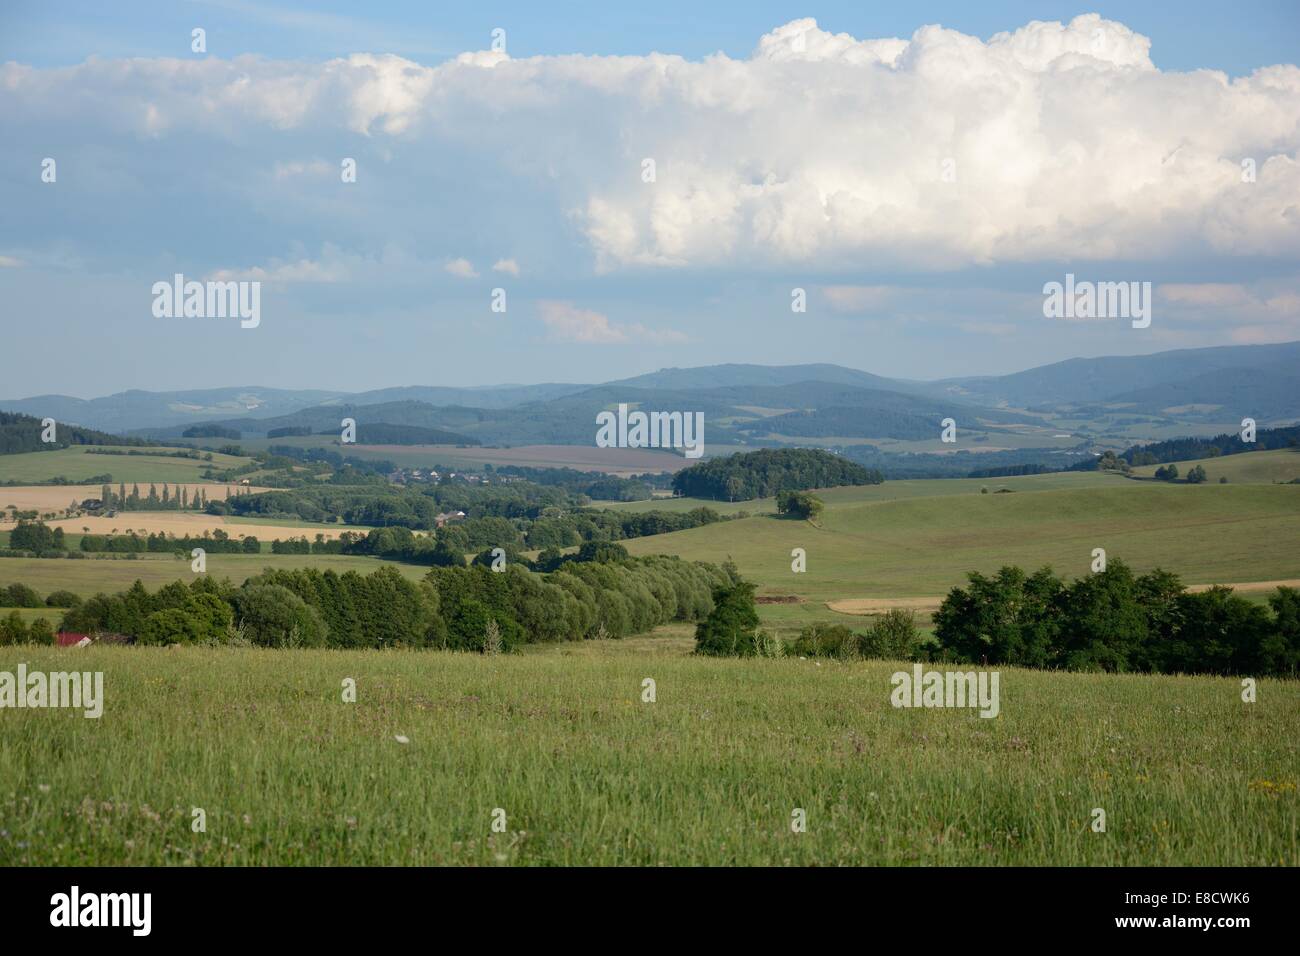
{"x": 778, "y": 599}
{"x": 880, "y": 605}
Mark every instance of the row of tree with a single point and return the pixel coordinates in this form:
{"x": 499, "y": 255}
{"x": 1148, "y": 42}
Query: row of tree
{"x": 465, "y": 608}
{"x": 1117, "y": 621}
{"x": 169, "y": 499}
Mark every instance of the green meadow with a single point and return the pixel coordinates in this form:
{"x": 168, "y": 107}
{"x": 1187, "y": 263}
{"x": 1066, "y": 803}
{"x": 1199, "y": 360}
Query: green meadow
{"x": 78, "y": 463}
{"x": 116, "y": 573}
{"x": 1257, "y": 467}
{"x": 585, "y": 772}
{"x": 866, "y": 545}
{"x": 559, "y": 739}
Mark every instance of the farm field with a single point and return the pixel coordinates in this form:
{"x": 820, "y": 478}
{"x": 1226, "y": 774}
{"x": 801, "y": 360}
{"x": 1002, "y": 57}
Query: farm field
{"x": 587, "y": 773}
{"x": 46, "y": 498}
{"x": 614, "y": 461}
{"x": 191, "y": 523}
{"x": 29, "y": 614}
{"x": 78, "y": 463}
{"x": 888, "y": 491}
{"x": 989, "y": 439}
{"x": 109, "y": 574}
{"x": 867, "y": 546}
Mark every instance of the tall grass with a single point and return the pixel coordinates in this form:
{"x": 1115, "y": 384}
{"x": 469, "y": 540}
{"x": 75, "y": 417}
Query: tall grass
{"x": 287, "y": 773}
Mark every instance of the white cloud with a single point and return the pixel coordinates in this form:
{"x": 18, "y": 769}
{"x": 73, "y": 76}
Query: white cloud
{"x": 569, "y": 324}
{"x": 819, "y": 150}
{"x": 508, "y": 266}
{"x": 303, "y": 270}
{"x": 9, "y": 262}
{"x": 461, "y": 268}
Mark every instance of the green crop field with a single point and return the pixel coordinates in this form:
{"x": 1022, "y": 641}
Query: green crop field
{"x": 867, "y": 545}
{"x": 78, "y": 463}
{"x": 92, "y": 575}
{"x": 586, "y": 773}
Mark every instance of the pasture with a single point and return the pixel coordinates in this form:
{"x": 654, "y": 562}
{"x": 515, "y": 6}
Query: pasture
{"x": 1252, "y": 467}
{"x": 80, "y": 462}
{"x": 869, "y": 546}
{"x": 585, "y": 772}
{"x": 111, "y": 573}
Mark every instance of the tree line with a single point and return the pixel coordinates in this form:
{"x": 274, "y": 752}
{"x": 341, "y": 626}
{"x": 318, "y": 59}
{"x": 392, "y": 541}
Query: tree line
{"x": 458, "y": 608}
{"x": 1190, "y": 449}
{"x": 1117, "y": 621}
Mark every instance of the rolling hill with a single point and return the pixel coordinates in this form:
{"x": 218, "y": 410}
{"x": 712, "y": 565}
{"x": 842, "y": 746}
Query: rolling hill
{"x": 1054, "y": 415}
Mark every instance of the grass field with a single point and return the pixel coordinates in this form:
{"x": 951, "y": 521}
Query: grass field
{"x": 868, "y": 545}
{"x": 888, "y": 491}
{"x": 78, "y": 463}
{"x": 586, "y": 773}
{"x": 109, "y": 574}
{"x": 1257, "y": 467}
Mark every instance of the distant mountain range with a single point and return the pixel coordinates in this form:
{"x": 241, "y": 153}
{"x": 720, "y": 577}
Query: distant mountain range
{"x": 1117, "y": 378}
{"x": 744, "y": 404}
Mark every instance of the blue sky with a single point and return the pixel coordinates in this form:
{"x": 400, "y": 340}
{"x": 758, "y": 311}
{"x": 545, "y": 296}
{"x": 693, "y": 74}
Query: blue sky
{"x": 920, "y": 184}
{"x": 1195, "y": 34}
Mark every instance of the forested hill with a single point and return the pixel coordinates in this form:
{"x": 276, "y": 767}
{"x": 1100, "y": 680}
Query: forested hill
{"x": 761, "y": 474}
{"x": 22, "y": 433}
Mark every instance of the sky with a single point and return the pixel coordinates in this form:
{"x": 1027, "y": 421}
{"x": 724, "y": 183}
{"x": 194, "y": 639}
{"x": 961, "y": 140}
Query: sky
{"x": 641, "y": 186}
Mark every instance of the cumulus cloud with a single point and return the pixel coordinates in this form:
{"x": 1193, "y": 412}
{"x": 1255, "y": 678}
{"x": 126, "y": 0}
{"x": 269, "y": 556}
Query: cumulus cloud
{"x": 461, "y": 268}
{"x": 1051, "y": 142}
{"x": 508, "y": 266}
{"x": 566, "y": 323}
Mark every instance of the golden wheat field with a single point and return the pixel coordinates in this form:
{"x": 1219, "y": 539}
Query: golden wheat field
{"x": 46, "y": 498}
{"x": 181, "y": 524}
